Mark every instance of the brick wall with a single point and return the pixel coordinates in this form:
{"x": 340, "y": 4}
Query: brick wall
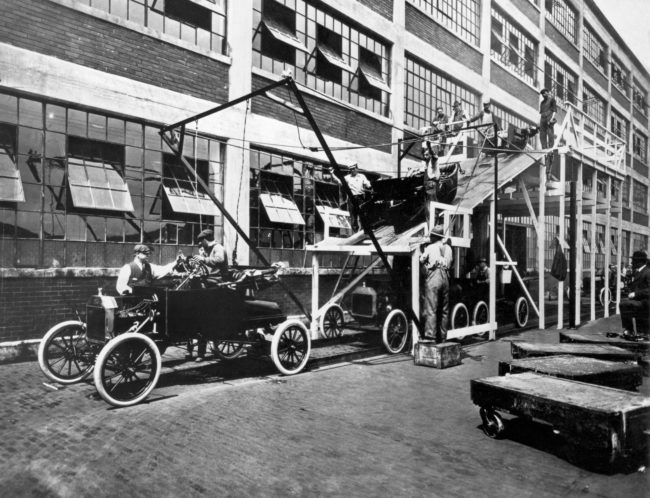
{"x": 383, "y": 7}
{"x": 332, "y": 119}
{"x": 569, "y": 48}
{"x": 528, "y": 10}
{"x": 421, "y": 25}
{"x": 512, "y": 85}
{"x": 594, "y": 73}
{"x": 54, "y": 30}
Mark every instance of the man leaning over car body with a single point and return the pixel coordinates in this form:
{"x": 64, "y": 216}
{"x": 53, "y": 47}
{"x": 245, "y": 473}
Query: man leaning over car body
{"x": 140, "y": 271}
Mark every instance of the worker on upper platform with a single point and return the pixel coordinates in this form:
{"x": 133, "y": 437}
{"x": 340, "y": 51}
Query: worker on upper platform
{"x": 359, "y": 185}
{"x": 547, "y": 118}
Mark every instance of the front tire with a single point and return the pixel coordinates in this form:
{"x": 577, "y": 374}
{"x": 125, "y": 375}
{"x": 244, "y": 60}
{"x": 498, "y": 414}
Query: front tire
{"x": 127, "y": 369}
{"x": 332, "y": 321}
{"x": 64, "y": 354}
{"x": 481, "y": 316}
{"x": 459, "y": 316}
{"x": 521, "y": 312}
{"x": 395, "y": 332}
{"x": 290, "y": 347}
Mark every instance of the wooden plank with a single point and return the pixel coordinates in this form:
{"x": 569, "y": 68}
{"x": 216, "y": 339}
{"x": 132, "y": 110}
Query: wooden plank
{"x": 619, "y": 375}
{"x": 522, "y": 349}
{"x": 575, "y": 337}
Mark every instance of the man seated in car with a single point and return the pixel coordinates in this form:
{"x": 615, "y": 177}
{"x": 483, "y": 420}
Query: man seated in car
{"x": 140, "y": 271}
{"x": 213, "y": 255}
{"x": 637, "y": 303}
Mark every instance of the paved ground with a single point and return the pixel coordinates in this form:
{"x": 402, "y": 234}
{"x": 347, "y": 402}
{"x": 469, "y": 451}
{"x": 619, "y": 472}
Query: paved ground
{"x": 372, "y": 427}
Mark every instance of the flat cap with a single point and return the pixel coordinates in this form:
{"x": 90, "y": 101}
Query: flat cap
{"x": 144, "y": 248}
{"x": 205, "y": 234}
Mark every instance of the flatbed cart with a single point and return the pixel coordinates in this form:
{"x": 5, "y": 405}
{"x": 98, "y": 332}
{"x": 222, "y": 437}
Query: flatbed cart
{"x": 598, "y": 422}
{"x": 615, "y": 374}
{"x": 642, "y": 347}
{"x": 522, "y": 349}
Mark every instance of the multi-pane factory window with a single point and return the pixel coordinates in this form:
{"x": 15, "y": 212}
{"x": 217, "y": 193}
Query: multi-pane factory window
{"x": 640, "y": 98}
{"x": 200, "y": 23}
{"x": 620, "y": 76}
{"x": 94, "y": 184}
{"x": 640, "y": 197}
{"x": 600, "y": 246}
{"x": 324, "y": 52}
{"x": 508, "y": 118}
{"x": 625, "y": 197}
{"x": 462, "y": 17}
{"x": 640, "y": 145}
{"x": 513, "y": 48}
{"x": 592, "y": 105}
{"x": 563, "y": 16}
{"x": 586, "y": 244}
{"x": 619, "y": 125}
{"x": 593, "y": 48}
{"x": 428, "y": 88}
{"x": 559, "y": 80}
{"x": 625, "y": 247}
{"x": 639, "y": 242}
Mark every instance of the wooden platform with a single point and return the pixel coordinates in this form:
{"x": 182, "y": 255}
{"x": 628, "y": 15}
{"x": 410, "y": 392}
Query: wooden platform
{"x": 610, "y": 422}
{"x": 615, "y": 374}
{"x": 642, "y": 347}
{"x": 522, "y": 349}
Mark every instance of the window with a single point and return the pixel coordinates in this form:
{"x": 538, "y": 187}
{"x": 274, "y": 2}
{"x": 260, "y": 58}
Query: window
{"x": 640, "y": 197}
{"x": 11, "y": 186}
{"x": 428, "y": 88}
{"x": 619, "y": 125}
{"x": 323, "y": 51}
{"x": 640, "y": 145}
{"x": 563, "y": 16}
{"x": 620, "y": 76}
{"x": 559, "y": 80}
{"x": 594, "y": 49}
{"x": 203, "y": 25}
{"x": 639, "y": 242}
{"x": 513, "y": 48}
{"x": 592, "y": 105}
{"x": 183, "y": 193}
{"x": 459, "y": 16}
{"x": 640, "y": 98}
{"x": 625, "y": 198}
{"x": 507, "y": 118}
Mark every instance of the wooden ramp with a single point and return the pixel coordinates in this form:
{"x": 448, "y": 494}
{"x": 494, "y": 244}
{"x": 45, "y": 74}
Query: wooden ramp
{"x": 521, "y": 349}
{"x": 615, "y": 374}
{"x": 599, "y": 421}
{"x": 642, "y": 347}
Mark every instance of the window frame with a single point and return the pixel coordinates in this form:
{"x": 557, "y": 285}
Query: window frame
{"x": 524, "y": 68}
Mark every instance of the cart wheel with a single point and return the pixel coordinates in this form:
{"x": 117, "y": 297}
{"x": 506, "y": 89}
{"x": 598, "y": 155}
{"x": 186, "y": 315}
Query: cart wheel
{"x": 459, "y": 316}
{"x": 64, "y": 354}
{"x": 521, "y": 311}
{"x": 331, "y": 322}
{"x": 605, "y": 297}
{"x": 613, "y": 448}
{"x": 127, "y": 370}
{"x": 227, "y": 350}
{"x": 493, "y": 425}
{"x": 290, "y": 347}
{"x": 395, "y": 332}
{"x": 481, "y": 315}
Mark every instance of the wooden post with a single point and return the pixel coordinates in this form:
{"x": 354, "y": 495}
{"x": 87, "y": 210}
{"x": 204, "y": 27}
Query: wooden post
{"x": 314, "y": 295}
{"x": 415, "y": 296}
{"x": 592, "y": 247}
{"x": 608, "y": 242}
{"x": 562, "y": 215}
{"x": 541, "y": 241}
{"x": 579, "y": 251}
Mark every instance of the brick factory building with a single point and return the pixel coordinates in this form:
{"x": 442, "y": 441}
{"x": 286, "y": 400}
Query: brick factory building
{"x": 85, "y": 86}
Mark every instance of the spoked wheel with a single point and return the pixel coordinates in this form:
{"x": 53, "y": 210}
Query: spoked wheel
{"x": 127, "y": 369}
{"x": 227, "y": 350}
{"x": 290, "y": 347}
{"x": 605, "y": 297}
{"x": 493, "y": 425}
{"x": 395, "y": 333}
{"x": 459, "y": 316}
{"x": 65, "y": 355}
{"x": 331, "y": 322}
{"x": 521, "y": 311}
{"x": 481, "y": 315}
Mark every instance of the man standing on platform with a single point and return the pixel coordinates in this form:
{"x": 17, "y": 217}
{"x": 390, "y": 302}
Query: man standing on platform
{"x": 637, "y": 304}
{"x": 436, "y": 258}
{"x": 358, "y": 184}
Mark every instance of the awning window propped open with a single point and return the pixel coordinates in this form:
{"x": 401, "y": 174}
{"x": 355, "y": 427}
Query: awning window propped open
{"x": 97, "y": 185}
{"x": 373, "y": 77}
{"x": 280, "y": 209}
{"x": 185, "y": 195}
{"x": 283, "y": 34}
{"x": 333, "y": 58}
{"x": 337, "y": 218}
{"x": 11, "y": 186}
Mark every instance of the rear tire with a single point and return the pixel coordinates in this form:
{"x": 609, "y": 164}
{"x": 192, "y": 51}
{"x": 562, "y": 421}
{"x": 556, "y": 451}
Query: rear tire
{"x": 521, "y": 312}
{"x": 290, "y": 347}
{"x": 227, "y": 350}
{"x": 459, "y": 316}
{"x": 481, "y": 316}
{"x": 395, "y": 332}
{"x": 332, "y": 321}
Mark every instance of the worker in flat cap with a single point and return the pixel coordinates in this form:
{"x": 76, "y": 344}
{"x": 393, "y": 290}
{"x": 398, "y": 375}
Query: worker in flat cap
{"x": 436, "y": 259}
{"x": 140, "y": 271}
{"x": 635, "y": 308}
{"x": 211, "y": 253}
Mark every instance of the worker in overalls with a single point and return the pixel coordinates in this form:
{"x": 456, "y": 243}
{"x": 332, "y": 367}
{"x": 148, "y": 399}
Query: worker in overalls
{"x": 436, "y": 259}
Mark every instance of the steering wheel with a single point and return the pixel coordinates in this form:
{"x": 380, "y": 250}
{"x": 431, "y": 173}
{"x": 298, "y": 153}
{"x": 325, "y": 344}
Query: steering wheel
{"x": 197, "y": 268}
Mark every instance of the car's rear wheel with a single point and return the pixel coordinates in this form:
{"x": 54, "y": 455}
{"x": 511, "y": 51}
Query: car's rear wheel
{"x": 227, "y": 350}
{"x": 332, "y": 321}
{"x": 459, "y": 316}
{"x": 521, "y": 311}
{"x": 395, "y": 332}
{"x": 127, "y": 369}
{"x": 481, "y": 316}
{"x": 290, "y": 347}
{"x": 65, "y": 355}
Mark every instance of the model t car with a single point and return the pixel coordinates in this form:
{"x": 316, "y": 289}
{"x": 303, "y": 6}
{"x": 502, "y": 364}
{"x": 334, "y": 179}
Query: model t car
{"x": 122, "y": 338}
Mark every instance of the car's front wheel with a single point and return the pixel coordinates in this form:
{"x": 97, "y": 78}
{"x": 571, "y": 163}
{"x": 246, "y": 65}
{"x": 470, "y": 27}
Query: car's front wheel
{"x": 290, "y": 347}
{"x": 127, "y": 369}
{"x": 64, "y": 354}
{"x": 395, "y": 332}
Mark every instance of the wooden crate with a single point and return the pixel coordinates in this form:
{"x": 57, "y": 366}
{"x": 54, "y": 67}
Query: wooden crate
{"x": 642, "y": 347}
{"x": 599, "y": 421}
{"x": 443, "y": 355}
{"x": 522, "y": 349}
{"x": 615, "y": 374}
